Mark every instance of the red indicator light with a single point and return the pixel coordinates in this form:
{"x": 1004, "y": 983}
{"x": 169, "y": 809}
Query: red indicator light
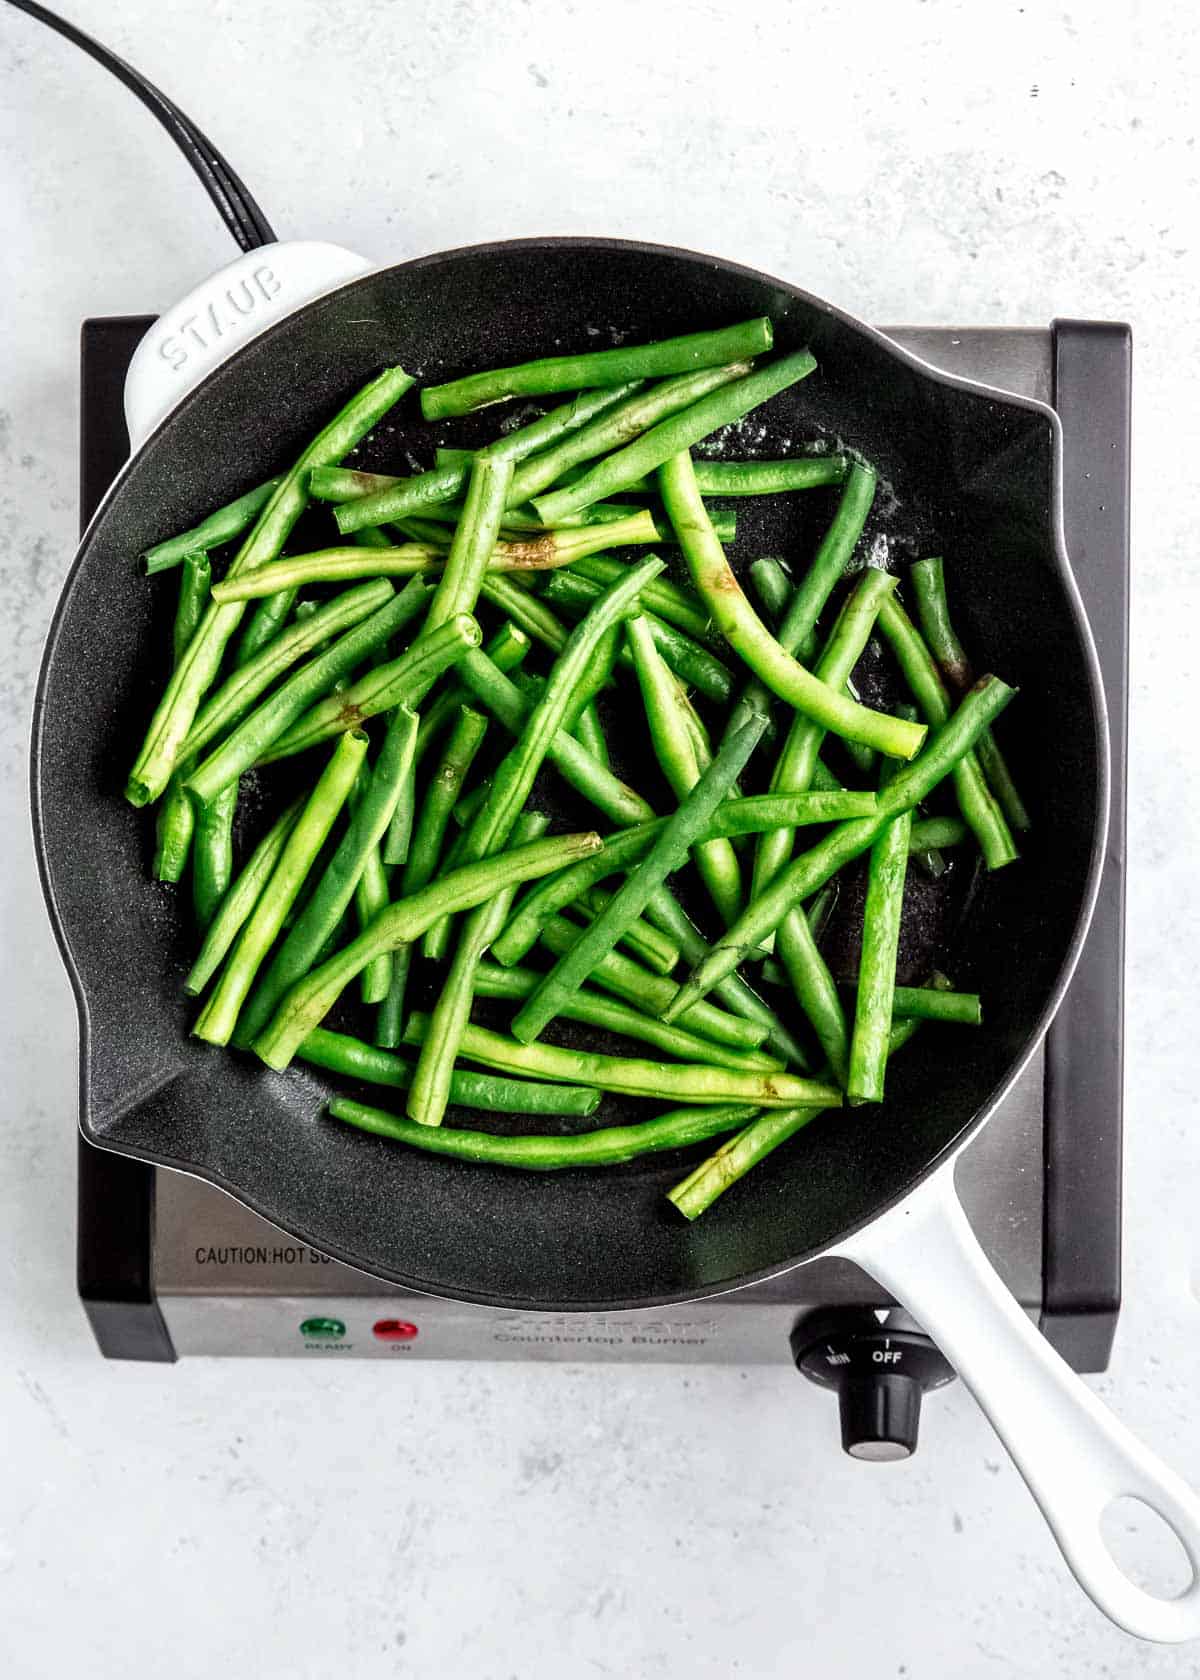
{"x": 394, "y": 1330}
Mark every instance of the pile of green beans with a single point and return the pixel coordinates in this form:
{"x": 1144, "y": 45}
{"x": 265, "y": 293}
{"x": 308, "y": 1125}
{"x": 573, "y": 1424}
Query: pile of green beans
{"x": 531, "y": 638}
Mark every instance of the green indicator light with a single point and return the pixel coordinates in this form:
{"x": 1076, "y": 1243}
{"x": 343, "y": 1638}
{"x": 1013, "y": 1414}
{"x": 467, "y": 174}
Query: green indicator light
{"x": 329, "y": 1329}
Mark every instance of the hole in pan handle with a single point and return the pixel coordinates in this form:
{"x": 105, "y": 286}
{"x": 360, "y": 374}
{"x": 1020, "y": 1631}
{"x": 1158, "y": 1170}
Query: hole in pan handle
{"x": 217, "y": 317}
{"x": 1074, "y": 1455}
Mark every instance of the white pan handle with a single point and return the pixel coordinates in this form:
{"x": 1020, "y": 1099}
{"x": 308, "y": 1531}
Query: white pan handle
{"x": 1073, "y": 1453}
{"x": 219, "y": 315}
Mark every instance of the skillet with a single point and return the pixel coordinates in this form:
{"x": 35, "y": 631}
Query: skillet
{"x": 963, "y": 467}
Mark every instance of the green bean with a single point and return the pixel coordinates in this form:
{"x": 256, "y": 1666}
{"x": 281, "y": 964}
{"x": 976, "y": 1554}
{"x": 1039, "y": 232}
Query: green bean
{"x": 581, "y": 718}
{"x": 720, "y": 408}
{"x": 740, "y": 999}
{"x": 741, "y": 478}
{"x": 493, "y": 1095}
{"x": 773, "y": 586}
{"x": 444, "y": 787}
{"x": 794, "y": 767}
{"x": 428, "y": 841}
{"x": 929, "y": 586}
{"x": 810, "y": 871}
{"x": 521, "y": 521}
{"x": 470, "y": 805}
{"x": 668, "y": 853}
{"x": 370, "y": 897}
{"x": 424, "y": 490}
{"x": 618, "y": 852}
{"x": 219, "y": 1017}
{"x": 768, "y": 478}
{"x": 240, "y": 900}
{"x": 593, "y": 1010}
{"x": 864, "y": 759}
{"x": 687, "y": 658}
{"x": 543, "y": 551}
{"x": 334, "y": 565}
{"x": 605, "y": 513}
{"x": 685, "y": 1081}
{"x": 980, "y": 810}
{"x": 824, "y": 781}
{"x": 590, "y": 734}
{"x": 389, "y": 1017}
{"x": 174, "y": 826}
{"x": 430, "y": 1091}
{"x": 474, "y": 538}
{"x": 620, "y": 804}
{"x": 815, "y": 990}
{"x": 762, "y": 811}
{"x": 398, "y": 838}
{"x": 219, "y": 528}
{"x": 598, "y": 367}
{"x": 212, "y": 854}
{"x": 517, "y": 521}
{"x": 716, "y": 861}
{"x": 318, "y": 922}
{"x": 618, "y": 426}
{"x": 693, "y": 723}
{"x": 691, "y": 663}
{"x": 344, "y": 486}
{"x": 922, "y": 1003}
{"x": 680, "y": 607}
{"x": 514, "y": 777}
{"x": 750, "y": 638}
{"x": 547, "y": 546}
{"x": 621, "y": 851}
{"x": 705, "y": 1183}
{"x": 649, "y": 993}
{"x": 535, "y": 1152}
{"x": 797, "y": 633}
{"x": 431, "y": 534}
{"x": 274, "y": 717}
{"x": 928, "y": 832}
{"x": 525, "y": 611}
{"x": 506, "y": 651}
{"x": 176, "y": 820}
{"x": 247, "y": 682}
{"x": 401, "y": 497}
{"x": 194, "y": 584}
{"x": 405, "y": 680}
{"x": 644, "y": 940}
{"x": 437, "y": 939}
{"x": 160, "y": 751}
{"x": 265, "y": 623}
{"x": 308, "y": 1002}
{"x": 373, "y": 536}
{"x": 597, "y": 676}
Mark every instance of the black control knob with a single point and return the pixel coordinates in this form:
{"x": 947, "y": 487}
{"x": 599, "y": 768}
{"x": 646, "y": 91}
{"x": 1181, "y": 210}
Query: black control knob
{"x": 880, "y": 1365}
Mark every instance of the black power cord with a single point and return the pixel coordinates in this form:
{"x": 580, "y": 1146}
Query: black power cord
{"x": 237, "y": 209}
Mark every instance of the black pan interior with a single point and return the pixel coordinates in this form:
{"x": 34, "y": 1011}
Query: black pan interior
{"x": 962, "y": 473}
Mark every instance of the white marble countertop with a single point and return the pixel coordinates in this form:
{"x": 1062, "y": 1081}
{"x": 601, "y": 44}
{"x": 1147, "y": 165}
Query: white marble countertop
{"x": 925, "y": 162}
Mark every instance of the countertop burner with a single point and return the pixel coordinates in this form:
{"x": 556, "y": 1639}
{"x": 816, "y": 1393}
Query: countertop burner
{"x": 169, "y": 1266}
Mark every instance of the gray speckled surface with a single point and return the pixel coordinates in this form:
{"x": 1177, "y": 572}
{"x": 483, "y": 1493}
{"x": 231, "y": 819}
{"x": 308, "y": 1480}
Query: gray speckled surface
{"x": 930, "y": 162}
